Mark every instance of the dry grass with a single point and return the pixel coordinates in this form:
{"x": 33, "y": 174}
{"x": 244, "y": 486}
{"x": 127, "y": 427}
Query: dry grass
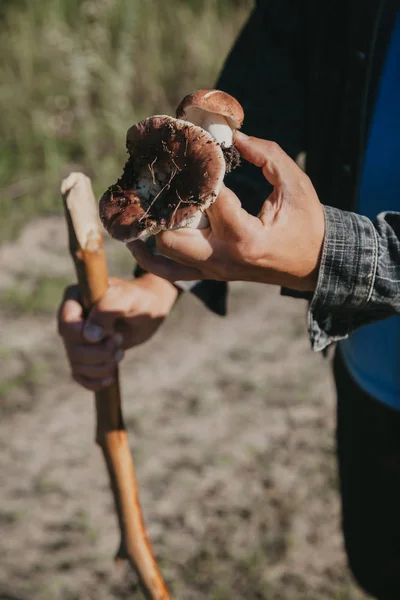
{"x": 76, "y": 74}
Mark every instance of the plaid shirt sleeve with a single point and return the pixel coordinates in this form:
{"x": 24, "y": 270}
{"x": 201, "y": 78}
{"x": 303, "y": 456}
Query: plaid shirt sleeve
{"x": 359, "y": 276}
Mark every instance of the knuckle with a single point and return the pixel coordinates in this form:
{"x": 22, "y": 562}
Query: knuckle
{"x": 273, "y": 148}
{"x": 247, "y": 251}
{"x": 163, "y": 243}
{"x": 112, "y": 303}
{"x": 304, "y": 183}
{"x": 110, "y": 297}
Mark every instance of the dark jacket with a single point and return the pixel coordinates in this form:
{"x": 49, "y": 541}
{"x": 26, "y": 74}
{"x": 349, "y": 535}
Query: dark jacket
{"x": 307, "y": 74}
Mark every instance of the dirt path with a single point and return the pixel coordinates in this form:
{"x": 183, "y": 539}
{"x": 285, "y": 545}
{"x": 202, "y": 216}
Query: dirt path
{"x": 230, "y": 422}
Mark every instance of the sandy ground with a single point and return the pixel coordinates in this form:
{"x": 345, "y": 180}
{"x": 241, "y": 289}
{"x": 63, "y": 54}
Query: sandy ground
{"x": 231, "y": 423}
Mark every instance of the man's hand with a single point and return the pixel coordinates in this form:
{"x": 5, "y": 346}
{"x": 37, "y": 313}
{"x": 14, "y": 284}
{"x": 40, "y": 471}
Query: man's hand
{"x": 282, "y": 246}
{"x": 127, "y": 315}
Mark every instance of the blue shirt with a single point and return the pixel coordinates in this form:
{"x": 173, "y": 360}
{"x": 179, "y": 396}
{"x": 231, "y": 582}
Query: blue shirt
{"x": 372, "y": 353}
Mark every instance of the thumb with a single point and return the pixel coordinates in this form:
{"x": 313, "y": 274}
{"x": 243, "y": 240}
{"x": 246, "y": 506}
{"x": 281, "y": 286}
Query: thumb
{"x": 100, "y": 322}
{"x": 277, "y": 166}
{"x": 70, "y": 315}
{"x": 226, "y": 213}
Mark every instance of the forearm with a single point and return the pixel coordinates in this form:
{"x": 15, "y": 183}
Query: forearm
{"x": 359, "y": 275}
{"x": 164, "y": 289}
{"x": 213, "y": 294}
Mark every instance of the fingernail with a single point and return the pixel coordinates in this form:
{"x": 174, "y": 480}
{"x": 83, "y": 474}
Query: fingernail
{"x": 119, "y": 355}
{"x": 242, "y": 136}
{"x": 92, "y": 332}
{"x": 118, "y": 339}
{"x": 107, "y": 381}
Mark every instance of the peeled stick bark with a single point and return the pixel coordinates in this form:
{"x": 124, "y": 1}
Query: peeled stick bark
{"x": 86, "y": 248}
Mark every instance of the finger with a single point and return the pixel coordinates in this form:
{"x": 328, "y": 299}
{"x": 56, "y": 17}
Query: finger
{"x": 100, "y": 322}
{"x": 192, "y": 246}
{"x": 227, "y": 216}
{"x": 96, "y": 372}
{"x": 276, "y": 165}
{"x": 95, "y": 354}
{"x": 185, "y": 246}
{"x": 70, "y": 316}
{"x": 162, "y": 266}
{"x": 93, "y": 385}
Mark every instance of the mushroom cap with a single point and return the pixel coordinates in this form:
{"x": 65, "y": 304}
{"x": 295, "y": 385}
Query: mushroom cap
{"x": 174, "y": 172}
{"x": 213, "y": 101}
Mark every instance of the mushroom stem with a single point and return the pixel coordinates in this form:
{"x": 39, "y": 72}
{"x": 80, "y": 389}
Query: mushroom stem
{"x": 218, "y": 127}
{"x": 215, "y": 124}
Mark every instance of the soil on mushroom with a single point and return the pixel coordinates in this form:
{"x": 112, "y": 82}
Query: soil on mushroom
{"x": 173, "y": 170}
{"x": 232, "y": 157}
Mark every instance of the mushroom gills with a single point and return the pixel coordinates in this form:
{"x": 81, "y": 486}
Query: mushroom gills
{"x": 151, "y": 183}
{"x": 215, "y": 125}
{"x": 174, "y": 172}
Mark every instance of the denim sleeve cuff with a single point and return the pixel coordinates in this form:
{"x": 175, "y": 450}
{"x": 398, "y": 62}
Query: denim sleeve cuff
{"x": 346, "y": 277}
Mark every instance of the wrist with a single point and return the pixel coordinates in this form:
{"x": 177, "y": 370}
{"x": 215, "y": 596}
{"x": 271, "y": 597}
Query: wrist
{"x": 316, "y": 250}
{"x": 164, "y": 290}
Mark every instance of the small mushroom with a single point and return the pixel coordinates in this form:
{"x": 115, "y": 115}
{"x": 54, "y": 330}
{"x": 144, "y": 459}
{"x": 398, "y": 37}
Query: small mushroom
{"x": 173, "y": 174}
{"x": 215, "y": 111}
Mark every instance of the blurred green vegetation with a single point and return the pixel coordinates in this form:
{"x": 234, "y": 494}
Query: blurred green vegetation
{"x": 41, "y": 296}
{"x": 75, "y": 74}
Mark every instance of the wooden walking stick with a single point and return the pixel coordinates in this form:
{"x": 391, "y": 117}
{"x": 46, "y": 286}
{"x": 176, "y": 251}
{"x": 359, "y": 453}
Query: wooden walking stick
{"x": 86, "y": 248}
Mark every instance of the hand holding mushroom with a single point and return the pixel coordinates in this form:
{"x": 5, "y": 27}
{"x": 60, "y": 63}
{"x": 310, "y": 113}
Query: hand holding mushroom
{"x": 282, "y": 246}
{"x": 175, "y": 167}
{"x": 173, "y": 176}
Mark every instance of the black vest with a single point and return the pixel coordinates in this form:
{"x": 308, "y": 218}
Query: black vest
{"x": 307, "y": 73}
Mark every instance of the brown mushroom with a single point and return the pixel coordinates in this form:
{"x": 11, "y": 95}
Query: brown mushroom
{"x": 173, "y": 174}
{"x": 215, "y": 111}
